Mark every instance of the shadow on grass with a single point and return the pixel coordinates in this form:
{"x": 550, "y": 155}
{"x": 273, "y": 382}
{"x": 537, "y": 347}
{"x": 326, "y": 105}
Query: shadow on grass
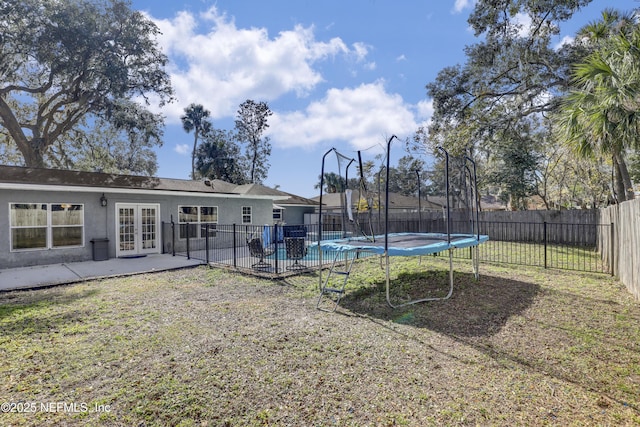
{"x": 476, "y": 307}
{"x": 576, "y": 337}
{"x": 35, "y": 311}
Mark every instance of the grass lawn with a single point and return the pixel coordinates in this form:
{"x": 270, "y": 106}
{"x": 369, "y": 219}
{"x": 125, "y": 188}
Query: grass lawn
{"x": 209, "y": 347}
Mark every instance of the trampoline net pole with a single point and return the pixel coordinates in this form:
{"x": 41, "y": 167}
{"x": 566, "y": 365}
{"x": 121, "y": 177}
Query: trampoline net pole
{"x": 446, "y": 178}
{"x": 320, "y": 219}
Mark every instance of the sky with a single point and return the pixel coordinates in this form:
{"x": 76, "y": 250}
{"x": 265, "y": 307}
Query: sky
{"x": 342, "y": 74}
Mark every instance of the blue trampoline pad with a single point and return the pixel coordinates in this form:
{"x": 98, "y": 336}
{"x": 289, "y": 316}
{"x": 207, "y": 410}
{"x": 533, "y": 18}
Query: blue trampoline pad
{"x": 405, "y": 244}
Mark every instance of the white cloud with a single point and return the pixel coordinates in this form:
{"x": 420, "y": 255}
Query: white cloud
{"x": 182, "y": 149}
{"x": 401, "y": 58}
{"x": 225, "y": 65}
{"x": 566, "y": 40}
{"x": 460, "y": 5}
{"x": 370, "y": 66}
{"x": 360, "y": 117}
{"x": 360, "y": 50}
{"x": 523, "y": 22}
{"x": 424, "y": 111}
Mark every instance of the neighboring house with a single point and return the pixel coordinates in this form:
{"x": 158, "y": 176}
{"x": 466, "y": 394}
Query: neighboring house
{"x": 290, "y": 210}
{"x": 397, "y": 202}
{"x": 487, "y": 203}
{"x": 52, "y": 216}
{"x": 492, "y": 203}
{"x": 403, "y": 204}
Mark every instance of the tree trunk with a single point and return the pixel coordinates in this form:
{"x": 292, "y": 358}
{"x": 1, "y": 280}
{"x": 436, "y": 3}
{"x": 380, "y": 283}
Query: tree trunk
{"x": 624, "y": 184}
{"x": 32, "y": 150}
{"x": 254, "y": 160}
{"x": 33, "y": 158}
{"x": 193, "y": 154}
{"x": 618, "y": 186}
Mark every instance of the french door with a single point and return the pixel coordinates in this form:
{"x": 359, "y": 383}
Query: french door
{"x": 138, "y": 231}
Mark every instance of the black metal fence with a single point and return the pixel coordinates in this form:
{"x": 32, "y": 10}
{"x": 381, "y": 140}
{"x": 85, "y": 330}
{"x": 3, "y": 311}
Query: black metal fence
{"x": 260, "y": 249}
{"x": 287, "y": 249}
{"x": 547, "y": 245}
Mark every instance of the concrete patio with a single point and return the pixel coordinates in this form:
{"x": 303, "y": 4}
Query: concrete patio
{"x": 72, "y": 272}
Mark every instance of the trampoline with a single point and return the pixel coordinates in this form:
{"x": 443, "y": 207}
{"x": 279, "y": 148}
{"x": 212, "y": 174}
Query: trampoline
{"x": 405, "y": 244}
{"x": 391, "y": 244}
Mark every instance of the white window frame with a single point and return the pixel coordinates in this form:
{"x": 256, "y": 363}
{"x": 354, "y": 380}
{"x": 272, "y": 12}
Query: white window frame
{"x": 247, "y": 215}
{"x": 199, "y": 223}
{"x": 49, "y": 227}
{"x": 202, "y": 224}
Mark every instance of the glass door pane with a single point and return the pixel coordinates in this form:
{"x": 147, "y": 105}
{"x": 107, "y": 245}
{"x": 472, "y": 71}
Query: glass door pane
{"x": 149, "y": 228}
{"x": 127, "y": 229}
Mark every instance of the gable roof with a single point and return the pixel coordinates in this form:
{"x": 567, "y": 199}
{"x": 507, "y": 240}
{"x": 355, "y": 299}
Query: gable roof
{"x": 291, "y": 199}
{"x": 16, "y": 177}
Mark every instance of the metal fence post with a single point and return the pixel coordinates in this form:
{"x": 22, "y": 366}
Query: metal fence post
{"x": 173, "y": 238}
{"x": 162, "y": 236}
{"x": 235, "y": 257}
{"x": 188, "y": 230}
{"x": 544, "y": 238}
{"x": 275, "y": 236}
{"x": 206, "y": 241}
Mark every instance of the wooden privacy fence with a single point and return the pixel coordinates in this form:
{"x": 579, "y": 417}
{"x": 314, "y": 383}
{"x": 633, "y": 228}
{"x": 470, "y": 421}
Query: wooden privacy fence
{"x": 623, "y": 247}
{"x": 565, "y": 227}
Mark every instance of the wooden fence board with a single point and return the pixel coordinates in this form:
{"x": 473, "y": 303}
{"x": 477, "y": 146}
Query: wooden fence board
{"x": 624, "y": 245}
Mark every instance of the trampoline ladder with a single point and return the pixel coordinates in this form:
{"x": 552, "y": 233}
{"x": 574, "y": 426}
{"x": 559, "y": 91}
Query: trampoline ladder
{"x": 330, "y": 289}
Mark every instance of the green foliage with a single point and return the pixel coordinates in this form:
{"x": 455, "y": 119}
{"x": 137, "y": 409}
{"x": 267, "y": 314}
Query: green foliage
{"x": 333, "y": 183}
{"x": 405, "y": 178}
{"x": 251, "y": 122}
{"x": 496, "y": 106}
{"x": 515, "y": 172}
{"x": 66, "y": 61}
{"x": 195, "y": 119}
{"x": 123, "y": 145}
{"x": 634, "y": 167}
{"x": 218, "y": 157}
{"x": 601, "y": 113}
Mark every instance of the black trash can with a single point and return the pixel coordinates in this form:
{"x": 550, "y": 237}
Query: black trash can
{"x": 100, "y": 249}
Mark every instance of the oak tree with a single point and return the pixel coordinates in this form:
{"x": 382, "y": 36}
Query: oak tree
{"x": 66, "y": 63}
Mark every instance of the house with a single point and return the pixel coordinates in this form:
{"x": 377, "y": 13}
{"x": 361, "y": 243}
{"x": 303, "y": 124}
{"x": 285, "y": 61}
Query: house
{"x": 290, "y": 210}
{"x": 490, "y": 202}
{"x": 332, "y": 202}
{"x": 55, "y": 216}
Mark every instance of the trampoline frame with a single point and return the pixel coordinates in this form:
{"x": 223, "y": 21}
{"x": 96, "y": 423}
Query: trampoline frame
{"x": 447, "y": 241}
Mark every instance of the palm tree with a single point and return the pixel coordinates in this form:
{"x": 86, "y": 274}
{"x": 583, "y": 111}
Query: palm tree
{"x": 333, "y": 183}
{"x": 602, "y": 113}
{"x": 195, "y": 119}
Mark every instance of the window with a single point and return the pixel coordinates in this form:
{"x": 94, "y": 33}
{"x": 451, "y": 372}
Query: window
{"x": 246, "y": 215}
{"x": 28, "y": 226}
{"x": 187, "y": 215}
{"x": 277, "y": 214}
{"x": 197, "y": 218}
{"x": 67, "y": 224}
{"x": 208, "y": 217}
{"x": 46, "y": 226}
